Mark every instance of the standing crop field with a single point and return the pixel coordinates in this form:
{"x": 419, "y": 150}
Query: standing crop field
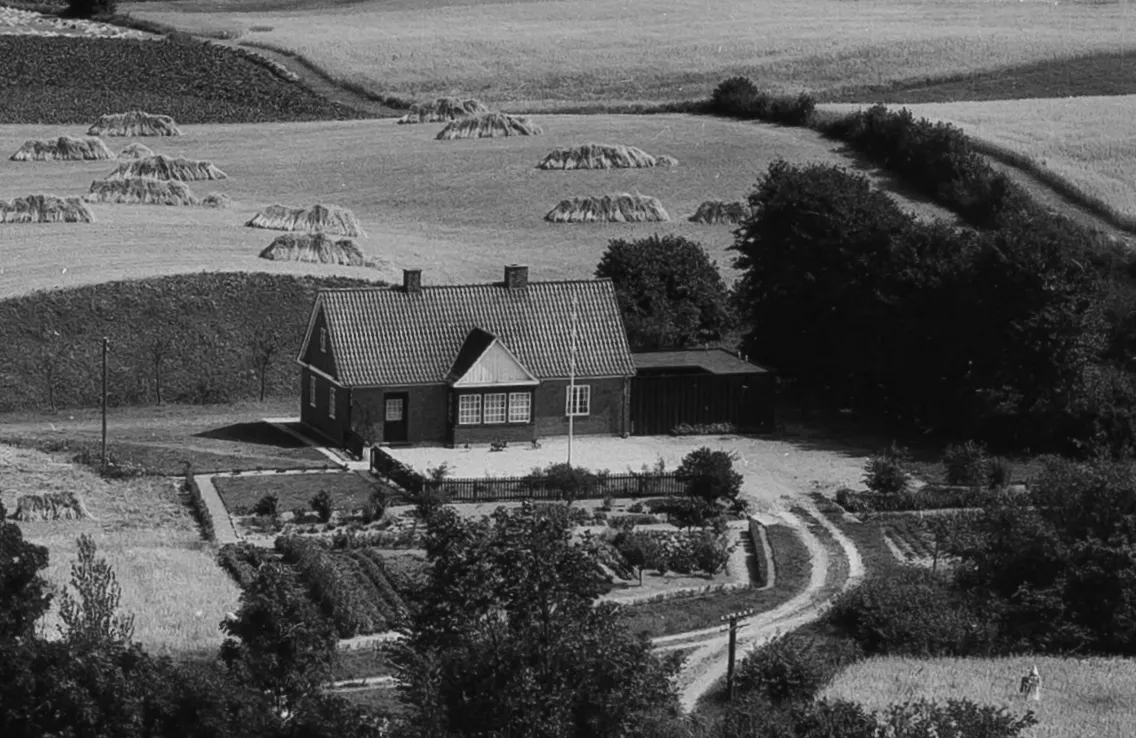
{"x": 1085, "y": 141}
{"x": 540, "y": 53}
{"x": 170, "y": 582}
{"x": 1080, "y": 698}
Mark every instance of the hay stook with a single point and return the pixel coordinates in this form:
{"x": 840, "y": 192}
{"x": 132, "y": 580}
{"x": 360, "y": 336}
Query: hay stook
{"x": 165, "y": 167}
{"x": 134, "y": 123}
{"x": 715, "y": 212}
{"x": 316, "y": 219}
{"x": 619, "y": 208}
{"x": 45, "y": 209}
{"x": 135, "y": 151}
{"x": 315, "y": 248}
{"x": 602, "y": 156}
{"x": 63, "y": 148}
{"x": 50, "y": 506}
{"x": 489, "y": 125}
{"x": 141, "y": 191}
{"x": 443, "y": 109}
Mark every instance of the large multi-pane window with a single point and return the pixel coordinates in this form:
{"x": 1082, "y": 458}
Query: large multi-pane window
{"x": 520, "y": 407}
{"x": 469, "y": 410}
{"x": 494, "y": 407}
{"x": 578, "y": 400}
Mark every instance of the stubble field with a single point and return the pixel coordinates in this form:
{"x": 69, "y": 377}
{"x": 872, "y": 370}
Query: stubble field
{"x": 457, "y": 209}
{"x": 539, "y": 53}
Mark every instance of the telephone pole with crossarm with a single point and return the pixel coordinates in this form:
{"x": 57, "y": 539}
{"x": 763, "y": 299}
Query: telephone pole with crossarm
{"x": 733, "y": 619}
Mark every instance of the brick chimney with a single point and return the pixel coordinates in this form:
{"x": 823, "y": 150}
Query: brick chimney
{"x": 516, "y": 276}
{"x": 412, "y": 281}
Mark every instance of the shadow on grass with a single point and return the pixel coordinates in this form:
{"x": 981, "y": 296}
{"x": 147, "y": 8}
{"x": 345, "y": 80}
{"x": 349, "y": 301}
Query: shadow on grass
{"x": 255, "y": 432}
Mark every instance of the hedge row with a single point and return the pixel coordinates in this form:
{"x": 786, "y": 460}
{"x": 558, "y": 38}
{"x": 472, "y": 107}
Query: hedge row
{"x": 241, "y": 561}
{"x": 927, "y": 498}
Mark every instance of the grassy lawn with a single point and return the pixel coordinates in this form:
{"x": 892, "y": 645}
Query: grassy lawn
{"x": 1080, "y": 697}
{"x": 161, "y": 440}
{"x": 143, "y": 527}
{"x": 540, "y": 52}
{"x": 358, "y": 663}
{"x": 791, "y": 560}
{"x": 867, "y": 535}
{"x": 348, "y": 490}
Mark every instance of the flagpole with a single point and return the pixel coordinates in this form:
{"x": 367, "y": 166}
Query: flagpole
{"x": 572, "y": 383}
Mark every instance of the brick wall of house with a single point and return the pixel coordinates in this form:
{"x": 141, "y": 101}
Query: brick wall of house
{"x": 426, "y": 409}
{"x": 320, "y": 355}
{"x": 317, "y": 416}
{"x": 609, "y": 408}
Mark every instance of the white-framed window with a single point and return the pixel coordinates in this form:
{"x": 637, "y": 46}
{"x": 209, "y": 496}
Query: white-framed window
{"x": 495, "y": 407}
{"x": 520, "y": 407}
{"x": 312, "y": 391}
{"x": 469, "y": 409}
{"x": 578, "y": 400}
{"x": 393, "y": 410}
{"x": 323, "y": 340}
{"x": 331, "y": 402}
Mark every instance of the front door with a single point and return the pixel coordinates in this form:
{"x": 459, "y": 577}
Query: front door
{"x": 394, "y": 417}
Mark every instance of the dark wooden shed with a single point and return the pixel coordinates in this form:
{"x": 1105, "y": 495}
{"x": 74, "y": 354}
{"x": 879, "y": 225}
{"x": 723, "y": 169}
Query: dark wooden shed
{"x": 699, "y": 387}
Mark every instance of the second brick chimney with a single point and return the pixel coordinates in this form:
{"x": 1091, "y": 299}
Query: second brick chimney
{"x": 516, "y": 276}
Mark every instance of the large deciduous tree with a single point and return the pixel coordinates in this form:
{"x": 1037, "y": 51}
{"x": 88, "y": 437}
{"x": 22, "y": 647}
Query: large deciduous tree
{"x": 24, "y": 594}
{"x": 508, "y": 639}
{"x": 670, "y": 292}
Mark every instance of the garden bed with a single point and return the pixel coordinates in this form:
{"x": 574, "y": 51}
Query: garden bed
{"x": 349, "y": 491}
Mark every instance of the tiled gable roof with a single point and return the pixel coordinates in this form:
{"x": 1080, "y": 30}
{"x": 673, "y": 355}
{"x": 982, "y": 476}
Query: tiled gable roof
{"x": 390, "y": 337}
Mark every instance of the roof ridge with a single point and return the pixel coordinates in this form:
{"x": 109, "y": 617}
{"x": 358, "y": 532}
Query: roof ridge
{"x": 398, "y": 287}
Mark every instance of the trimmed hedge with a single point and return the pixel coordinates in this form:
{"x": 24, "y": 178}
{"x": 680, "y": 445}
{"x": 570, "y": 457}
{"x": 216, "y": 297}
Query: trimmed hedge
{"x": 241, "y": 561}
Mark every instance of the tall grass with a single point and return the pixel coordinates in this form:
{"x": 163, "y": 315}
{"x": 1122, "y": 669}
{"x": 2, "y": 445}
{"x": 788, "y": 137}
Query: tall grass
{"x": 1079, "y": 697}
{"x": 536, "y": 50}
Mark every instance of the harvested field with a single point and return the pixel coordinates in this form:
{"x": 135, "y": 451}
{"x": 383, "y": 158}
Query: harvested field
{"x": 135, "y": 151}
{"x": 76, "y": 80}
{"x": 602, "y": 156}
{"x": 444, "y": 109}
{"x": 63, "y": 148}
{"x": 44, "y": 209}
{"x": 316, "y": 219}
{"x": 537, "y": 54}
{"x": 715, "y": 212}
{"x": 144, "y": 528}
{"x": 1080, "y": 697}
{"x": 314, "y": 248}
{"x": 165, "y": 167}
{"x": 457, "y": 210}
{"x": 1086, "y": 142}
{"x": 141, "y": 191}
{"x": 134, "y": 123}
{"x": 489, "y": 125}
{"x": 620, "y": 208}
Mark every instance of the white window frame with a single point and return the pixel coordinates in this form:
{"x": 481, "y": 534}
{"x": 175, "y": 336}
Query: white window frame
{"x": 312, "y": 391}
{"x": 389, "y": 402}
{"x": 501, "y": 414}
{"x": 520, "y": 411}
{"x": 469, "y": 409}
{"x": 323, "y": 340}
{"x": 583, "y": 400}
{"x": 331, "y": 401}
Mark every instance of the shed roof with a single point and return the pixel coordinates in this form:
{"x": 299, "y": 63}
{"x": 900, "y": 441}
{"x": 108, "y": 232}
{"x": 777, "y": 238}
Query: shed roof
{"x": 392, "y": 337}
{"x": 715, "y": 361}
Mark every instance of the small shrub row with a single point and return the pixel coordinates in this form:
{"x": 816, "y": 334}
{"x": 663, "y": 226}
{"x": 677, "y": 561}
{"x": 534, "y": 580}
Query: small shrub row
{"x": 344, "y": 597}
{"x": 704, "y": 429}
{"x": 739, "y": 97}
{"x": 683, "y": 552}
{"x": 396, "y": 471}
{"x": 241, "y": 561}
{"x": 393, "y": 539}
{"x": 928, "y": 498}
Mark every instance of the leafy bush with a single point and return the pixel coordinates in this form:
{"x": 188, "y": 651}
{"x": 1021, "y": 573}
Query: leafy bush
{"x": 735, "y": 93}
{"x": 794, "y": 668}
{"x": 955, "y": 719}
{"x": 711, "y": 552}
{"x": 929, "y": 497}
{"x": 322, "y": 505}
{"x": 241, "y": 560}
{"x": 266, "y": 505}
{"x": 570, "y": 482}
{"x": 739, "y": 97}
{"x": 709, "y": 475}
{"x": 886, "y": 472}
{"x": 704, "y": 429}
{"x": 374, "y": 508}
{"x": 911, "y": 611}
{"x": 966, "y": 463}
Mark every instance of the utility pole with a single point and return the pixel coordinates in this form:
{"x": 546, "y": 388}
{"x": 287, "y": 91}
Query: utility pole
{"x": 733, "y": 619}
{"x": 106, "y": 345}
